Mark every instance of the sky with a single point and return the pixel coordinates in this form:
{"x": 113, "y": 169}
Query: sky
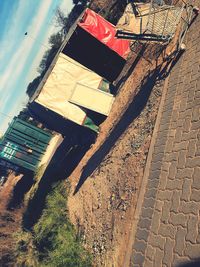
{"x": 21, "y": 54}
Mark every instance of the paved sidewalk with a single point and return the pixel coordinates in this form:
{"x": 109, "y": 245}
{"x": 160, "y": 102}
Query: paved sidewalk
{"x": 168, "y": 232}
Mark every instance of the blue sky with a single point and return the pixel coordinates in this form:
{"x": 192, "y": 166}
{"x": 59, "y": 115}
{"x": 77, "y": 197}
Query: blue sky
{"x": 20, "y": 54}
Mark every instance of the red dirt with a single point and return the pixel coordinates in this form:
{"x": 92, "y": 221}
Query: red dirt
{"x": 104, "y": 206}
{"x": 10, "y": 221}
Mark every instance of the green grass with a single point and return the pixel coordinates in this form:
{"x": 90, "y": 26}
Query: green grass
{"x": 53, "y": 241}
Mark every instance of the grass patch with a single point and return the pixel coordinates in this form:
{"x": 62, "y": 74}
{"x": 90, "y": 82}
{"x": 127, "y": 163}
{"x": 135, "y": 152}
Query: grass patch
{"x": 37, "y": 177}
{"x": 53, "y": 241}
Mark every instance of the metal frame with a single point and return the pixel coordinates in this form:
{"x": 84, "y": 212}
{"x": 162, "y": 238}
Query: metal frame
{"x": 163, "y": 20}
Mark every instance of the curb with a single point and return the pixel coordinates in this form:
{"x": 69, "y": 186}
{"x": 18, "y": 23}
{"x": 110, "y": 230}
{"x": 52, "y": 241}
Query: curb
{"x": 144, "y": 182}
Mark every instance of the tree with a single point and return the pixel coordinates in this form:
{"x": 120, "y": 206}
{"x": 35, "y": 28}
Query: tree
{"x": 56, "y": 40}
{"x": 33, "y": 86}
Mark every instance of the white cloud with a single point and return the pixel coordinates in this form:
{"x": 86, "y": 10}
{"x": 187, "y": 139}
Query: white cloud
{"x": 65, "y": 6}
{"x": 16, "y": 64}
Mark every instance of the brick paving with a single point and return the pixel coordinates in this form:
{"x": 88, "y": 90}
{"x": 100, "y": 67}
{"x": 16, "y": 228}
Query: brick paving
{"x": 168, "y": 231}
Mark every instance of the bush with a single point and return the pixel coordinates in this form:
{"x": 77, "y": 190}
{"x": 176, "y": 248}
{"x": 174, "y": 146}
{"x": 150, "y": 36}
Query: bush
{"x": 53, "y": 241}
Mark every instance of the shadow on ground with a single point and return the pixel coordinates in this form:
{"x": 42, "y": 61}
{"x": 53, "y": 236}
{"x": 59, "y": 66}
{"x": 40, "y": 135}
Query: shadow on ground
{"x": 20, "y": 189}
{"x": 134, "y": 110}
{"x": 64, "y": 161}
{"x": 192, "y": 263}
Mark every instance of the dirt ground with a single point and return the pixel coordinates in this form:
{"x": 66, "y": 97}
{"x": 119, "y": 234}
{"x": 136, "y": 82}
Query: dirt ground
{"x": 105, "y": 184}
{"x": 10, "y": 221}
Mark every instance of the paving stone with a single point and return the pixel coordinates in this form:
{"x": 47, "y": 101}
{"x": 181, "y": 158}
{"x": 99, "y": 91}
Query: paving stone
{"x": 149, "y": 203}
{"x": 166, "y": 166}
{"x": 163, "y": 180}
{"x": 172, "y": 132}
{"x": 180, "y": 260}
{"x": 196, "y": 178}
{"x": 157, "y": 241}
{"x": 193, "y": 162}
{"x": 151, "y": 193}
{"x": 159, "y": 149}
{"x": 168, "y": 252}
{"x": 196, "y": 114}
{"x": 192, "y": 229}
{"x": 159, "y": 255}
{"x": 189, "y": 136}
{"x": 173, "y": 233}
{"x": 192, "y": 250}
{"x": 195, "y": 125}
{"x": 186, "y": 173}
{"x": 155, "y": 222}
{"x": 178, "y": 135}
{"x": 198, "y": 237}
{"x": 174, "y": 184}
{"x": 197, "y": 151}
{"x": 180, "y": 146}
{"x": 161, "y": 140}
{"x": 166, "y": 212}
{"x": 180, "y": 240}
{"x": 191, "y": 148}
{"x": 156, "y": 165}
{"x": 186, "y": 191}
{"x": 167, "y": 230}
{"x": 164, "y": 127}
{"x": 183, "y": 105}
{"x": 147, "y": 213}
{"x": 195, "y": 195}
{"x": 175, "y": 201}
{"x": 137, "y": 258}
{"x": 164, "y": 195}
{"x": 142, "y": 234}
{"x": 153, "y": 183}
{"x": 178, "y": 219}
{"x": 159, "y": 205}
{"x": 169, "y": 157}
{"x": 144, "y": 223}
{"x": 139, "y": 246}
{"x": 154, "y": 174}
{"x": 182, "y": 159}
{"x": 189, "y": 207}
{"x": 174, "y": 116}
{"x": 187, "y": 124}
{"x": 150, "y": 252}
{"x": 169, "y": 146}
{"x": 172, "y": 170}
{"x": 148, "y": 263}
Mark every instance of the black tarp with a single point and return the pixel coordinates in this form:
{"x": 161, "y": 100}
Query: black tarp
{"x": 96, "y": 56}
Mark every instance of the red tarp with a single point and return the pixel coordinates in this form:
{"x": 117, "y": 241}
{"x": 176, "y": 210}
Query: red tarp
{"x": 104, "y": 31}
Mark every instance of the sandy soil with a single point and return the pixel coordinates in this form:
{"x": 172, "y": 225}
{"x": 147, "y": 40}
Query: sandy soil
{"x": 106, "y": 182}
{"x": 10, "y": 221}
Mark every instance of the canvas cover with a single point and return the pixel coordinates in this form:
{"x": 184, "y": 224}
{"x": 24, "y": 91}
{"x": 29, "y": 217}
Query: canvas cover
{"x": 104, "y": 31}
{"x": 60, "y": 84}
